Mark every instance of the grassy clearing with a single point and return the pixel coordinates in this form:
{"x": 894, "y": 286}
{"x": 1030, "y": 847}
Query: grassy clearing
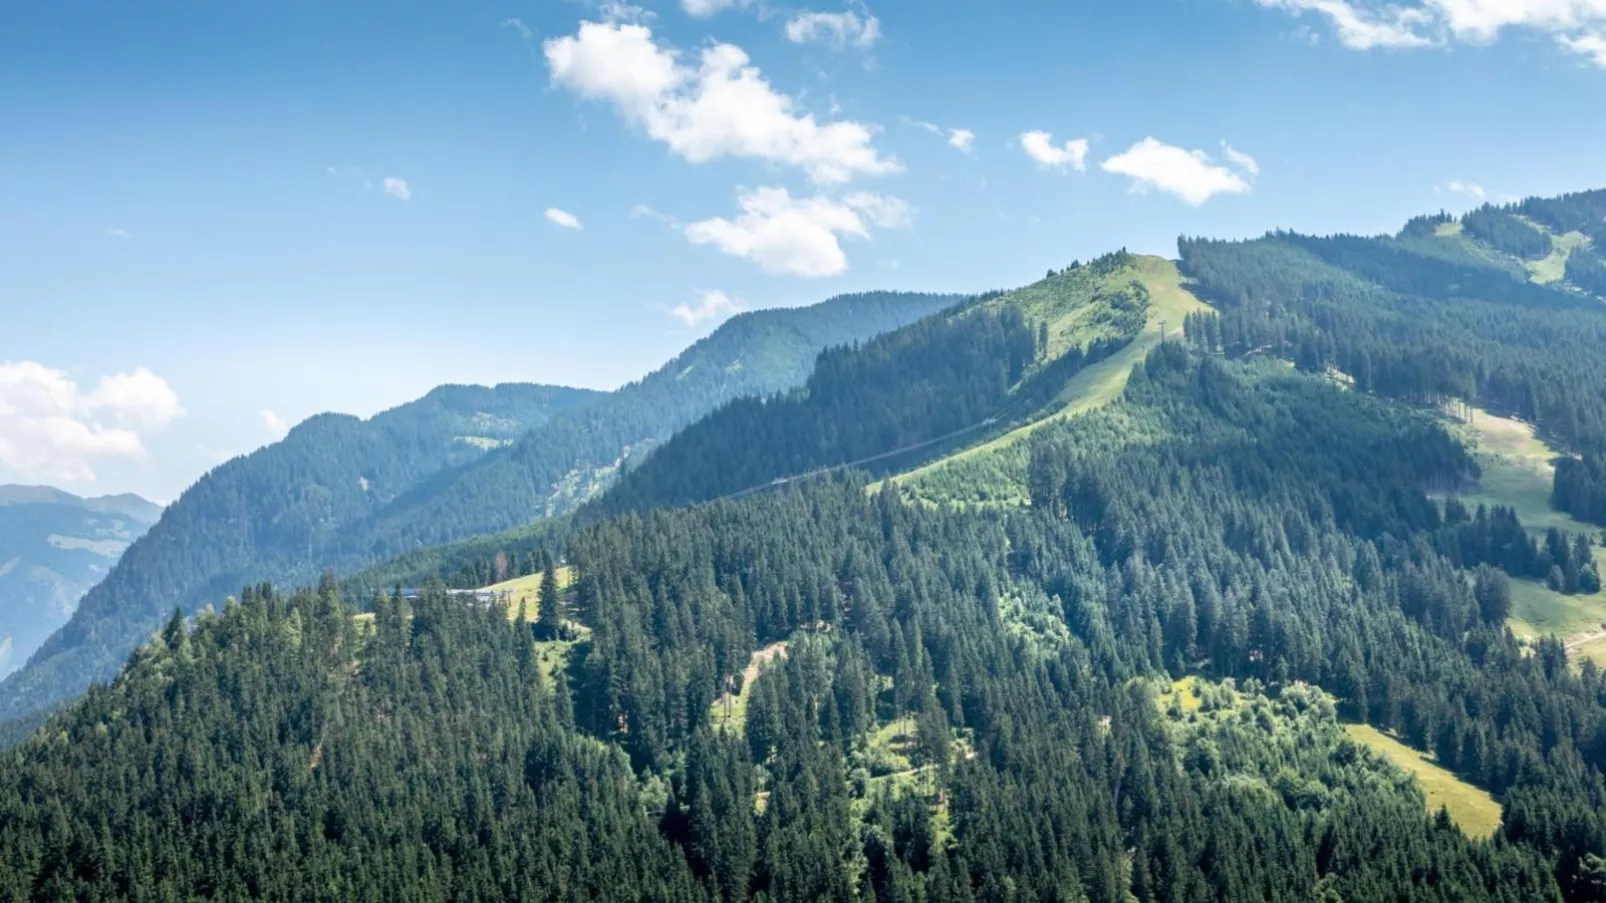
{"x": 527, "y": 590}
{"x": 1169, "y": 303}
{"x": 1518, "y": 470}
{"x": 1446, "y": 230}
{"x": 1474, "y": 810}
{"x": 730, "y": 709}
{"x": 1554, "y": 267}
{"x": 1594, "y": 650}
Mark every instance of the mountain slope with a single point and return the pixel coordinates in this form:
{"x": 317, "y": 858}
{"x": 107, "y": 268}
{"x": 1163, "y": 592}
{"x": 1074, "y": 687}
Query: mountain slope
{"x": 966, "y": 707}
{"x": 340, "y": 492}
{"x": 555, "y": 469}
{"x": 962, "y": 375}
{"x": 53, "y": 547}
{"x": 273, "y": 515}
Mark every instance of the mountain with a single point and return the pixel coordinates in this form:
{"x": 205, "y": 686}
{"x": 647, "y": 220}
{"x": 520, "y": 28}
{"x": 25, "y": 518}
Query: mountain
{"x": 557, "y": 468}
{"x": 1207, "y": 580}
{"x": 53, "y": 547}
{"x": 271, "y": 515}
{"x": 342, "y": 492}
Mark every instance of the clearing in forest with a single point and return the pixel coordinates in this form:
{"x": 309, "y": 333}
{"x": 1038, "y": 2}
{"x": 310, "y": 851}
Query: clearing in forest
{"x": 1170, "y": 302}
{"x": 1554, "y": 267}
{"x": 1518, "y": 472}
{"x": 730, "y": 709}
{"x": 527, "y": 589}
{"x": 1472, "y": 808}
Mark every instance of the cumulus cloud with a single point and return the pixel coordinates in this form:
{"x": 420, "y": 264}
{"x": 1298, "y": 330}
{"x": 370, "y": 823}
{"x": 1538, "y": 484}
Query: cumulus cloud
{"x": 563, "y": 218}
{"x": 52, "y": 430}
{"x": 797, "y": 236}
{"x": 397, "y": 188}
{"x": 714, "y": 105}
{"x": 1576, "y": 25}
{"x": 274, "y": 424}
{"x": 839, "y": 30}
{"x": 1040, "y": 146}
{"x": 711, "y": 305}
{"x": 1189, "y": 175}
{"x": 1591, "y": 45}
{"x": 1476, "y": 192}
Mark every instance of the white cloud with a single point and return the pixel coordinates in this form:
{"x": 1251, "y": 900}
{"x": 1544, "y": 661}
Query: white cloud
{"x": 794, "y": 236}
{"x": 1476, "y": 192}
{"x": 837, "y": 30}
{"x": 1590, "y": 44}
{"x": 712, "y": 305}
{"x": 274, "y": 424}
{"x": 883, "y": 211}
{"x": 518, "y": 25}
{"x": 1483, "y": 20}
{"x": 1576, "y": 25}
{"x": 720, "y": 105}
{"x": 118, "y": 233}
{"x": 1240, "y": 159}
{"x": 397, "y": 188}
{"x": 1190, "y": 175}
{"x": 1040, "y": 147}
{"x": 563, "y": 218}
{"x": 702, "y": 9}
{"x": 51, "y": 430}
{"x": 1363, "y": 28}
{"x": 959, "y": 139}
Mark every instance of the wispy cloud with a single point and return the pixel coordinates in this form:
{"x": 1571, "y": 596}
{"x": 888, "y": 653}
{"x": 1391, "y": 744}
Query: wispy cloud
{"x": 518, "y": 26}
{"x": 119, "y": 233}
{"x": 1578, "y": 26}
{"x": 702, "y": 9}
{"x": 1476, "y": 192}
{"x": 563, "y": 218}
{"x": 839, "y": 30}
{"x": 397, "y": 188}
{"x": 1240, "y": 159}
{"x": 273, "y": 423}
{"x": 711, "y": 305}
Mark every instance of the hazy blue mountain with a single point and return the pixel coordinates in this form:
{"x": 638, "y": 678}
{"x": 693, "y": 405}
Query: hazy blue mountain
{"x": 342, "y": 492}
{"x": 53, "y": 547}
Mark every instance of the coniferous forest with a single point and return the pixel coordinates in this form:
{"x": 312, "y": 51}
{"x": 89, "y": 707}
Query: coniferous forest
{"x": 1132, "y": 671}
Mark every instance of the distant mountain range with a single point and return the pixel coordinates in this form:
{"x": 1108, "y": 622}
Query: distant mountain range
{"x": 341, "y": 492}
{"x": 53, "y": 547}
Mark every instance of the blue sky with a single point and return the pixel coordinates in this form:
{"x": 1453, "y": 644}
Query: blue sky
{"x": 220, "y": 218}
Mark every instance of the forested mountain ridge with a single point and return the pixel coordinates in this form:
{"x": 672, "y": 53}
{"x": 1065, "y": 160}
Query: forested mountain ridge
{"x": 272, "y": 514}
{"x": 965, "y": 710}
{"x": 967, "y": 686}
{"x": 557, "y": 468}
{"x": 964, "y": 375}
{"x": 342, "y": 493}
{"x": 53, "y": 547}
